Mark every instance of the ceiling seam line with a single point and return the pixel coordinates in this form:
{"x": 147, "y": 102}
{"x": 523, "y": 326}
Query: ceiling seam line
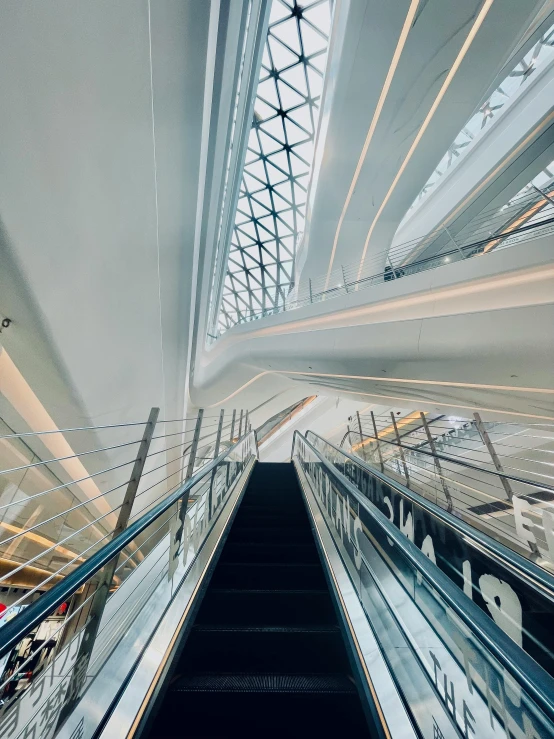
{"x": 155, "y": 172}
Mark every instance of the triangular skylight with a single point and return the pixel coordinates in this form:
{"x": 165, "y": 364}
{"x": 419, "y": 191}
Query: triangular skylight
{"x": 271, "y": 209}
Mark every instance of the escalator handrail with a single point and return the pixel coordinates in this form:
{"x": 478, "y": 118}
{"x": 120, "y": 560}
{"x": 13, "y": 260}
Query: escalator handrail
{"x": 529, "y": 570}
{"x": 25, "y": 621}
{"x": 538, "y": 684}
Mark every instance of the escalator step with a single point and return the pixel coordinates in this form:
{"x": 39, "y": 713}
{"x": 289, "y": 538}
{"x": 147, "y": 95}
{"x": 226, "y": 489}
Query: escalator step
{"x": 254, "y": 575}
{"x": 264, "y": 683}
{"x": 270, "y": 552}
{"x": 266, "y": 607}
{"x": 259, "y": 535}
{"x": 265, "y": 656}
{"x": 275, "y": 649}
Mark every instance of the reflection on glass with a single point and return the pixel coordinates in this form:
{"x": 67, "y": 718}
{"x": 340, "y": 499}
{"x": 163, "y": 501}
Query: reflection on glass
{"x": 451, "y": 683}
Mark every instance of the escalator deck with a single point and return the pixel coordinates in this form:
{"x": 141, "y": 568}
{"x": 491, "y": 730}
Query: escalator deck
{"x": 266, "y": 655}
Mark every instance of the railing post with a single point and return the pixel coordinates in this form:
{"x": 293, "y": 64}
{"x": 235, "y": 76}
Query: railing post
{"x": 310, "y": 286}
{"x": 361, "y": 436}
{"x": 400, "y": 448}
{"x": 543, "y": 193}
{"x": 194, "y": 445}
{"x": 459, "y": 248}
{"x": 446, "y": 491}
{"x": 246, "y": 423}
{"x": 102, "y": 591}
{"x": 377, "y": 442}
{"x": 216, "y": 454}
{"x": 344, "y": 278}
{"x": 494, "y": 456}
{"x": 240, "y": 423}
{"x": 177, "y": 525}
{"x": 232, "y": 434}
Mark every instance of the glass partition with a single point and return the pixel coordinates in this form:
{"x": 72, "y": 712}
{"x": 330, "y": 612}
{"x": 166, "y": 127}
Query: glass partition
{"x": 39, "y": 688}
{"x": 458, "y": 673}
{"x": 515, "y": 593}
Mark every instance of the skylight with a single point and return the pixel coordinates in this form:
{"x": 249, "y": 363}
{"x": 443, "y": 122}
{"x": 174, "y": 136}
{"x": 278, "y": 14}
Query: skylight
{"x": 271, "y": 207}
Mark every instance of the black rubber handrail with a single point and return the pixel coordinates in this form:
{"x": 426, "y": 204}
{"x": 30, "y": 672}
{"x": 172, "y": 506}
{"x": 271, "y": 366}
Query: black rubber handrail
{"x": 25, "y": 621}
{"x": 542, "y": 578}
{"x": 538, "y": 684}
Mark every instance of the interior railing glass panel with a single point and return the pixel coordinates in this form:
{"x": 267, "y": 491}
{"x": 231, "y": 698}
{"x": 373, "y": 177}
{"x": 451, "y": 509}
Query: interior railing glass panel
{"x": 71, "y": 690}
{"x": 459, "y": 668}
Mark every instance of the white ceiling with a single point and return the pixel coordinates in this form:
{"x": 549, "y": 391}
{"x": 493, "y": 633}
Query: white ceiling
{"x": 360, "y": 60}
{"x": 100, "y": 140}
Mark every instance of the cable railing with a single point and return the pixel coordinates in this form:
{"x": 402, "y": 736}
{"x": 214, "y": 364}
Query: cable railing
{"x": 457, "y": 617}
{"x": 497, "y": 476}
{"x": 55, "y": 511}
{"x": 528, "y": 217}
{"x": 55, "y": 636}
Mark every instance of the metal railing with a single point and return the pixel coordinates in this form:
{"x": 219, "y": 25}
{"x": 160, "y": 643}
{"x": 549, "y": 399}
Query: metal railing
{"x": 497, "y": 476}
{"x": 56, "y": 510}
{"x": 59, "y": 640}
{"x": 528, "y": 217}
{"x": 56, "y": 513}
{"x": 439, "y": 645}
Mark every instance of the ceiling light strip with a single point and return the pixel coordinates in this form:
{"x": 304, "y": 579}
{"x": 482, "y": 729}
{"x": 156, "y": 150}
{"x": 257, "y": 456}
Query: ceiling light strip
{"x": 376, "y": 115}
{"x": 446, "y": 84}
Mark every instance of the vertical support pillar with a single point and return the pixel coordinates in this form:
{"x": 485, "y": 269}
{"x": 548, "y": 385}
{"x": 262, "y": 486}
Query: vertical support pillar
{"x": 362, "y": 449}
{"x": 402, "y": 457}
{"x": 310, "y": 286}
{"x": 232, "y": 434}
{"x": 494, "y": 456}
{"x": 102, "y": 591}
{"x": 438, "y": 467}
{"x": 378, "y": 443}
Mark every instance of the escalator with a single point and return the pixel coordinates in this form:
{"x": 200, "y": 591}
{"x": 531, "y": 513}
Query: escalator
{"x": 265, "y": 655}
{"x": 318, "y": 598}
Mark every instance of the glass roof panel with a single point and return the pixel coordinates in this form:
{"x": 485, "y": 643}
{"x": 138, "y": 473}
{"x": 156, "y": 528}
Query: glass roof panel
{"x": 270, "y": 213}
